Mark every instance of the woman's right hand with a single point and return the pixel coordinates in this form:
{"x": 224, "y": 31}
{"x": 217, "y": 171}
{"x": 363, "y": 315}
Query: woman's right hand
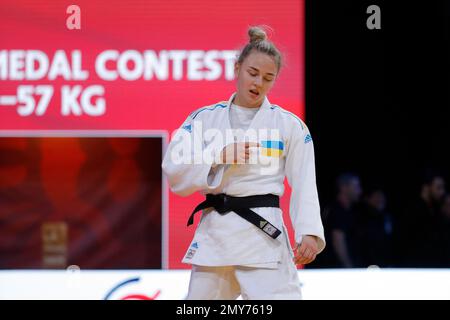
{"x": 238, "y": 152}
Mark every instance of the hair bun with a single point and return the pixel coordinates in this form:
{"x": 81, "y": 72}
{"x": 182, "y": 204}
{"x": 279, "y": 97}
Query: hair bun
{"x": 256, "y": 34}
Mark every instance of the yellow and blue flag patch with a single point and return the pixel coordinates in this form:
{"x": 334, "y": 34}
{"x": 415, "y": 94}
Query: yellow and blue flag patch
{"x": 272, "y": 148}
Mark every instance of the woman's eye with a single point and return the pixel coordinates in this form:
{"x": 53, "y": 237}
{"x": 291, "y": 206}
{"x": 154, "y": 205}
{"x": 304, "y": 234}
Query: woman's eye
{"x": 253, "y": 74}
{"x": 267, "y": 79}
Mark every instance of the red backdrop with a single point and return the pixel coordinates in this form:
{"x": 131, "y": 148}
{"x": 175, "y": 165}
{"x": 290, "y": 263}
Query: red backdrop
{"x": 156, "y": 102}
{"x": 91, "y": 202}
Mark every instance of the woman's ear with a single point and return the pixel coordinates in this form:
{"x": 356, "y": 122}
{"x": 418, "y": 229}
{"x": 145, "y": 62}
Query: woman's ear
{"x": 237, "y": 66}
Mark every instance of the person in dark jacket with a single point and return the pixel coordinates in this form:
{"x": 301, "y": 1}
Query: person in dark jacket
{"x": 418, "y": 237}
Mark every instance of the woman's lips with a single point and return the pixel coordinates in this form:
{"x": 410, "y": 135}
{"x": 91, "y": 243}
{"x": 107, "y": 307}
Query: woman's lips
{"x": 254, "y": 95}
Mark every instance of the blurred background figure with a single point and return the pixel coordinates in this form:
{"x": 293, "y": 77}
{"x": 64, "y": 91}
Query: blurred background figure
{"x": 340, "y": 223}
{"x": 375, "y": 230}
{"x": 418, "y": 239}
{"x": 443, "y": 233}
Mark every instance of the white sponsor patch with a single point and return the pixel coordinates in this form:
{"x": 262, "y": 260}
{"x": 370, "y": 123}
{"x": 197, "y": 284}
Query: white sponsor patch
{"x": 269, "y": 229}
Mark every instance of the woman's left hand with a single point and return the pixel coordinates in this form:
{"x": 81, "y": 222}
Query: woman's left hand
{"x": 306, "y": 252}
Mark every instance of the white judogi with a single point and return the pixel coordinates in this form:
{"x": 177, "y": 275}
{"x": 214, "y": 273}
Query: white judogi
{"x": 229, "y": 240}
{"x": 255, "y": 283}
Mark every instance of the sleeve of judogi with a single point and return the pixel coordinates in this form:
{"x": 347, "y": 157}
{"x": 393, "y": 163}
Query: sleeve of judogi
{"x": 300, "y": 171}
{"x": 184, "y": 162}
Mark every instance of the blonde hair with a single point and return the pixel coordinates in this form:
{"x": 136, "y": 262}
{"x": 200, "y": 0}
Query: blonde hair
{"x": 258, "y": 42}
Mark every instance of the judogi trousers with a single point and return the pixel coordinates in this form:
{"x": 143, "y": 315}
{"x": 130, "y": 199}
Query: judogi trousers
{"x": 252, "y": 283}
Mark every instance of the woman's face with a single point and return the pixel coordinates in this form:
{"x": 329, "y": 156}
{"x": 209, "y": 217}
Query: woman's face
{"x": 255, "y": 77}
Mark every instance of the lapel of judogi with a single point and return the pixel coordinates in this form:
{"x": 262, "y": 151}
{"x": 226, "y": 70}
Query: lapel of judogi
{"x": 259, "y": 116}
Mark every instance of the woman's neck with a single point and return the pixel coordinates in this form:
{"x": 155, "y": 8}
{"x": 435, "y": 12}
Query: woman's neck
{"x": 240, "y": 103}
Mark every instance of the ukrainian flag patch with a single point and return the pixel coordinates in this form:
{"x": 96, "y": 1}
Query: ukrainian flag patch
{"x": 272, "y": 148}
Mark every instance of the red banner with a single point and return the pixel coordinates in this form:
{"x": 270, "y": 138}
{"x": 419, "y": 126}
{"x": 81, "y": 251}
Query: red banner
{"x": 115, "y": 65}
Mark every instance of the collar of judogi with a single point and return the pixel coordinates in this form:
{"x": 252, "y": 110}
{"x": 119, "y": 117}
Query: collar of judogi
{"x": 265, "y": 105}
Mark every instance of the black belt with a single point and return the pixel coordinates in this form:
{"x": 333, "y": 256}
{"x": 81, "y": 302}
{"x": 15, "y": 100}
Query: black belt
{"x": 223, "y": 204}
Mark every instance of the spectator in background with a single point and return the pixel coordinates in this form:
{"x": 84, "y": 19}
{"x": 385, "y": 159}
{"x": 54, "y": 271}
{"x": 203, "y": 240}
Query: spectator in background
{"x": 375, "y": 227}
{"x": 444, "y": 233}
{"x": 340, "y": 226}
{"x": 419, "y": 224}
